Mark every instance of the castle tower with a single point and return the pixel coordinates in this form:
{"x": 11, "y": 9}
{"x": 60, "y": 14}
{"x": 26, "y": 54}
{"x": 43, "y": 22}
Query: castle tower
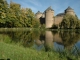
{"x": 70, "y": 11}
{"x": 49, "y": 13}
{"x": 38, "y": 14}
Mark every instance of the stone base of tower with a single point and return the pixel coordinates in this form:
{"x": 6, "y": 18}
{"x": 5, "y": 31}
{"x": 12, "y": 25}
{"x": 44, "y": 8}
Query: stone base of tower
{"x": 49, "y": 24}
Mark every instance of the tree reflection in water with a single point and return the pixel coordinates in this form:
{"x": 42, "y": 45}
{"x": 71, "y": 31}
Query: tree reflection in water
{"x": 65, "y": 39}
{"x": 47, "y": 39}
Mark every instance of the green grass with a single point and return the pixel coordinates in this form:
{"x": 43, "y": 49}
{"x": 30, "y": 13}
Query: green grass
{"x": 14, "y": 52}
{"x": 16, "y": 29}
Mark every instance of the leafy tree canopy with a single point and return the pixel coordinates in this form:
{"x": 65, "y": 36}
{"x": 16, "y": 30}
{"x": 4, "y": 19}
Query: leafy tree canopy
{"x": 12, "y": 15}
{"x": 70, "y": 21}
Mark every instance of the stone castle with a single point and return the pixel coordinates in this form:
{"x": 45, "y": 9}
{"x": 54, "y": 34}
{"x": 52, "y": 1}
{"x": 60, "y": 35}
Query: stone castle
{"x": 48, "y": 18}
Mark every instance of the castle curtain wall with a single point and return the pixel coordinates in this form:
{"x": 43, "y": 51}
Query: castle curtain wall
{"x": 57, "y": 20}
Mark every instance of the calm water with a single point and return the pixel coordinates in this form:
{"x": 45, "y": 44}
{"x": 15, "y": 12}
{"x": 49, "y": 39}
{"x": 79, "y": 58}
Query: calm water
{"x": 43, "y": 40}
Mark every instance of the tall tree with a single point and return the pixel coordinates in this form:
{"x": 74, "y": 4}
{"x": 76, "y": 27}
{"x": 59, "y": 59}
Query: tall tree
{"x": 3, "y": 12}
{"x": 12, "y": 15}
{"x": 69, "y": 21}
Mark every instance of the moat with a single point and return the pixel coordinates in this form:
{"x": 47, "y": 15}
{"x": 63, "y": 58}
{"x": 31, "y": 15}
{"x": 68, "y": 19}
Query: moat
{"x": 43, "y": 40}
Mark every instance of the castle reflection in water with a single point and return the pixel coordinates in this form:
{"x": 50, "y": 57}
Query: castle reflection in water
{"x": 58, "y": 40}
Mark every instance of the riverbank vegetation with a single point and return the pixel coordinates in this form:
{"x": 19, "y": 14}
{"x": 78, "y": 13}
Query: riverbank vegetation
{"x": 12, "y": 15}
{"x": 15, "y": 52}
{"x": 70, "y": 22}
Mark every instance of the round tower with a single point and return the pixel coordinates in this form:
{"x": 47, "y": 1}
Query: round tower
{"x": 70, "y": 11}
{"x": 49, "y": 13}
{"x": 38, "y": 14}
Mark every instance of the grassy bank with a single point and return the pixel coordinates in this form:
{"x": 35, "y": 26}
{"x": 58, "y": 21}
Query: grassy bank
{"x": 16, "y": 29}
{"x": 14, "y": 52}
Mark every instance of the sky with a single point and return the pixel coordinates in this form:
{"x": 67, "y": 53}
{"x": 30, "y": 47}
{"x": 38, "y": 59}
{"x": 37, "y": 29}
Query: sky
{"x": 57, "y": 5}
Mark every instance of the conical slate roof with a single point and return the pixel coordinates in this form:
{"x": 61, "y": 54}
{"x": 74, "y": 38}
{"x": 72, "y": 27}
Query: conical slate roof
{"x": 49, "y": 8}
{"x": 69, "y": 8}
{"x": 38, "y": 12}
{"x": 60, "y": 14}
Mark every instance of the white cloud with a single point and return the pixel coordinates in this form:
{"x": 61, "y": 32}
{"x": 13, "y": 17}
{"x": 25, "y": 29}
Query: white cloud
{"x": 35, "y": 2}
{"x": 26, "y": 4}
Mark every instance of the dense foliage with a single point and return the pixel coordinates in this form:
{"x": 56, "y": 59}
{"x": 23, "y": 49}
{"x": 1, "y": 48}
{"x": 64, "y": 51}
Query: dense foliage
{"x": 12, "y": 15}
{"x": 70, "y": 21}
